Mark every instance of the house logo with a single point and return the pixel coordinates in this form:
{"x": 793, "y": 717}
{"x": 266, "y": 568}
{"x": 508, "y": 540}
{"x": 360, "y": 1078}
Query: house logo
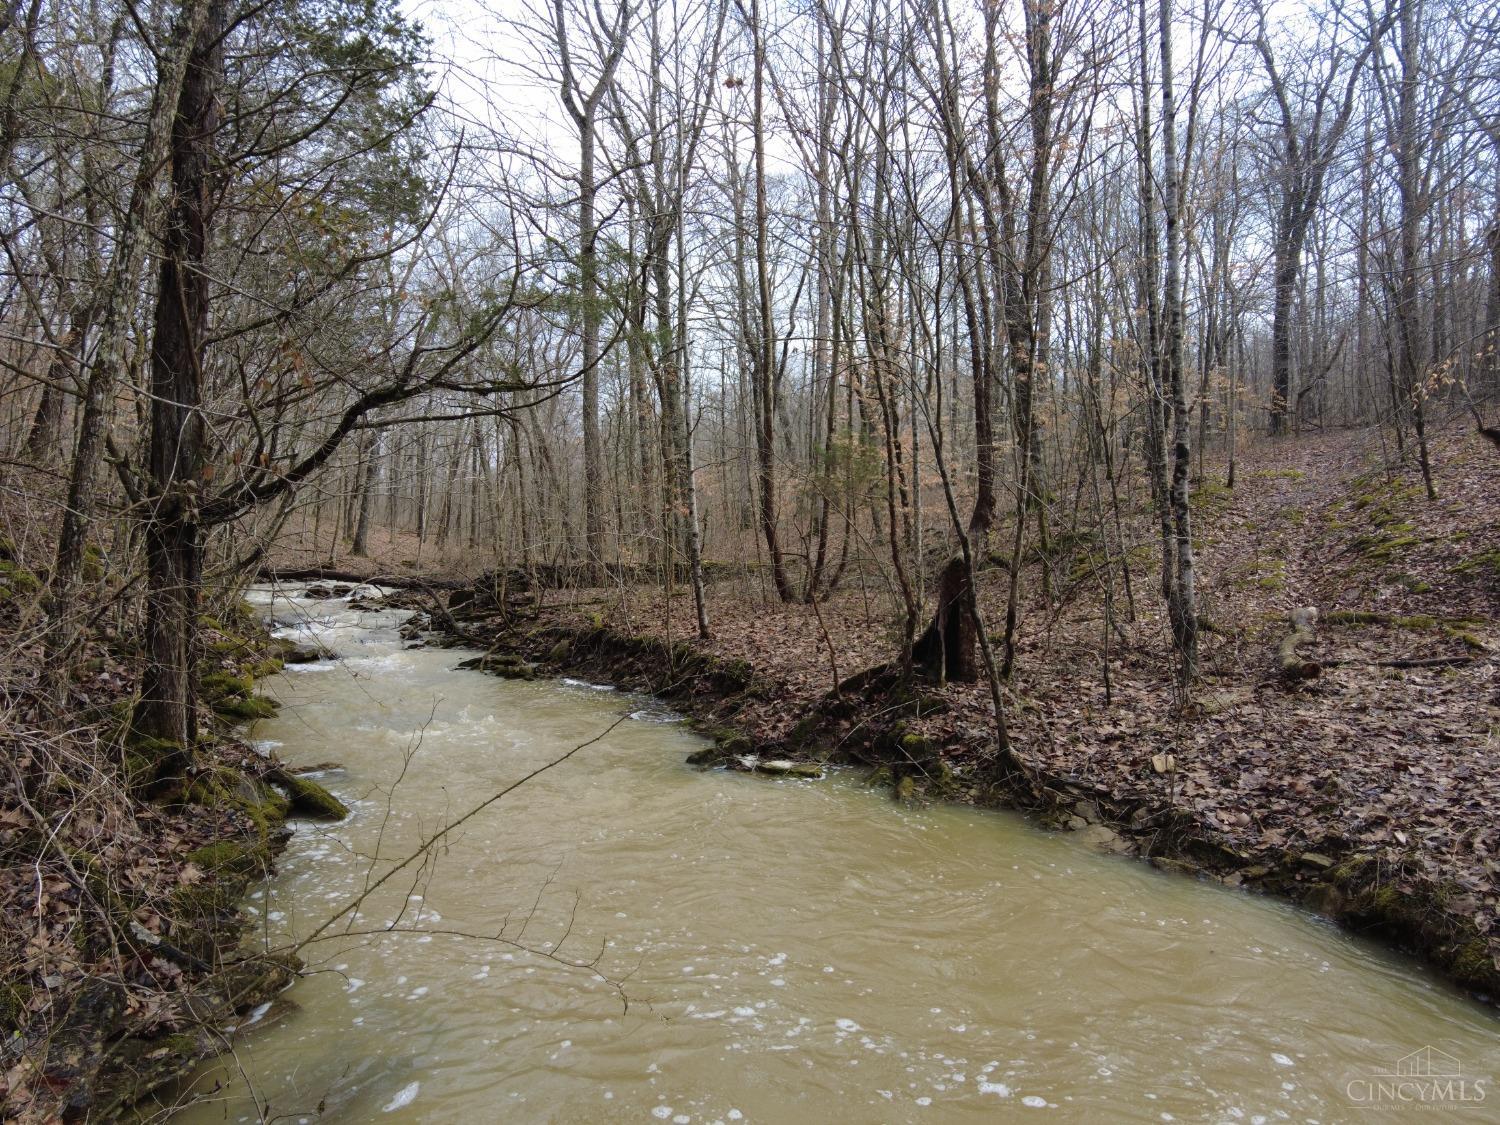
{"x": 1429, "y": 1062}
{"x": 1424, "y": 1078}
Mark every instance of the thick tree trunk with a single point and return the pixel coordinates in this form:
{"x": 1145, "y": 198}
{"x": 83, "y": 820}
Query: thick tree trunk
{"x": 122, "y": 284}
{"x": 764, "y": 363}
{"x": 946, "y": 648}
{"x": 167, "y": 710}
{"x": 1284, "y": 294}
{"x": 1413, "y": 207}
{"x": 46, "y": 424}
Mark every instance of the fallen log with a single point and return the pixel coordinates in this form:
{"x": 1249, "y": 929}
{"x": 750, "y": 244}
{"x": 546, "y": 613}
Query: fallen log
{"x": 1412, "y": 662}
{"x": 1295, "y": 666}
{"x": 328, "y": 574}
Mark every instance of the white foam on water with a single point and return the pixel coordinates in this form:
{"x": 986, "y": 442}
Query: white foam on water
{"x": 404, "y": 1097}
{"x": 257, "y": 1014}
{"x": 1034, "y": 1102}
{"x": 846, "y": 1025}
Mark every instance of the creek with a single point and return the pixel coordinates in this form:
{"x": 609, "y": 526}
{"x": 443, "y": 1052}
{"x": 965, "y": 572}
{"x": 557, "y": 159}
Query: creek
{"x": 626, "y": 938}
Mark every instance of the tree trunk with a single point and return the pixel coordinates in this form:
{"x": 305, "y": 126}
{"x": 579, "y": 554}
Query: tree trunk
{"x": 764, "y": 361}
{"x": 167, "y": 710}
{"x": 368, "y": 472}
{"x": 122, "y": 285}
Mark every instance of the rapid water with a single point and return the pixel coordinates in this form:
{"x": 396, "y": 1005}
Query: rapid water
{"x": 625, "y": 938}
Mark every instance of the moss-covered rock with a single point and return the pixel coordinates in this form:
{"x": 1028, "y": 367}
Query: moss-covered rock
{"x": 218, "y": 686}
{"x": 266, "y": 666}
{"x": 1473, "y": 964}
{"x": 506, "y": 665}
{"x": 246, "y": 710}
{"x": 916, "y": 748}
{"x": 785, "y": 767}
{"x": 263, "y": 806}
{"x": 733, "y": 675}
{"x": 728, "y": 742}
{"x": 236, "y": 857}
{"x": 310, "y": 799}
{"x": 137, "y": 1066}
{"x": 942, "y": 783}
{"x": 707, "y": 757}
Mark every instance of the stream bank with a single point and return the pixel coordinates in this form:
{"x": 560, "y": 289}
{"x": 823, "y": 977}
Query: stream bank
{"x": 881, "y": 728}
{"x": 136, "y": 954}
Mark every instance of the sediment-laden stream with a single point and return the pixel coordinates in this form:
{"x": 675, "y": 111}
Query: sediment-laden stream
{"x": 789, "y": 951}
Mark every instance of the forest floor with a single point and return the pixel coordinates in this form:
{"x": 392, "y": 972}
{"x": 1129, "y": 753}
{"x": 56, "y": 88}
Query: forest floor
{"x": 1368, "y": 791}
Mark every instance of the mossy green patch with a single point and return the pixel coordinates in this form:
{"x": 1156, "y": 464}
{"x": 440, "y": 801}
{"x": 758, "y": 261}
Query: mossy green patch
{"x": 1211, "y": 496}
{"x": 16, "y": 582}
{"x": 1483, "y": 562}
{"x": 804, "y": 732}
{"x": 1413, "y": 584}
{"x": 1271, "y": 574}
{"x": 94, "y": 567}
{"x": 144, "y": 755}
{"x": 245, "y": 710}
{"x": 233, "y": 856}
{"x": 917, "y": 748}
{"x": 1279, "y": 474}
{"x": 1383, "y": 548}
{"x": 1471, "y": 641}
{"x": 729, "y": 741}
{"x": 14, "y": 996}
{"x": 264, "y": 807}
{"x": 217, "y": 686}
{"x": 708, "y": 756}
{"x": 311, "y": 799}
{"x": 267, "y": 666}
{"x": 1473, "y": 964}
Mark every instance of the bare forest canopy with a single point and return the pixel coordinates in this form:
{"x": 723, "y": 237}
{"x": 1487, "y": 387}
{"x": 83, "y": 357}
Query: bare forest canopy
{"x": 813, "y": 293}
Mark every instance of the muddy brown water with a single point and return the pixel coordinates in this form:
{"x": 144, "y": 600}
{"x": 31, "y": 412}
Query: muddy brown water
{"x": 763, "y": 950}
